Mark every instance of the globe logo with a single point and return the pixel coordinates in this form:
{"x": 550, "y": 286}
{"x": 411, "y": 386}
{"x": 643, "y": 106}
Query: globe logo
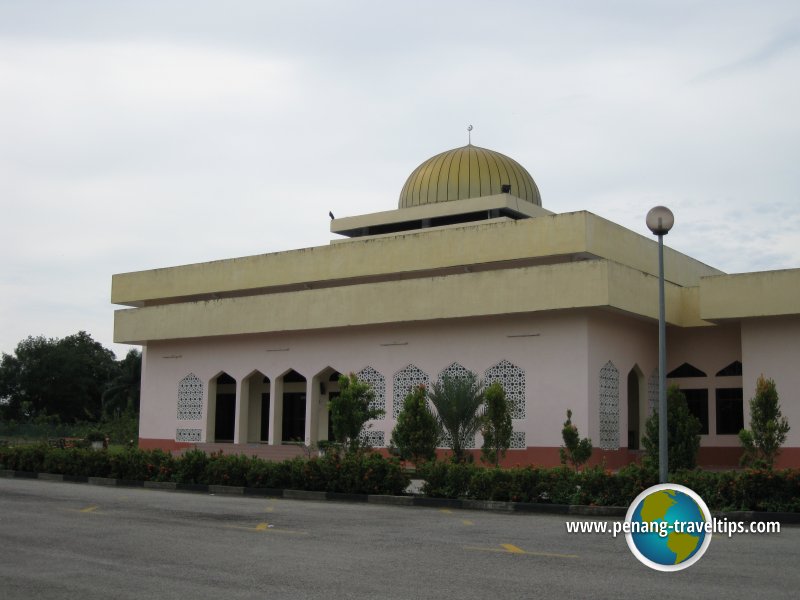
{"x": 668, "y": 527}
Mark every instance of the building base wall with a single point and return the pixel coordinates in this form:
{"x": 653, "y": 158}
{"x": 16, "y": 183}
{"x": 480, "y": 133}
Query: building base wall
{"x": 167, "y": 445}
{"x": 709, "y": 457}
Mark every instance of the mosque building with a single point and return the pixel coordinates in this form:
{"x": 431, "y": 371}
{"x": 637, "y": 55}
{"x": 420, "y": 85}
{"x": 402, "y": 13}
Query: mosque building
{"x": 470, "y": 272}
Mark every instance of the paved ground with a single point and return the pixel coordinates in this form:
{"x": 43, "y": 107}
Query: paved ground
{"x": 61, "y": 540}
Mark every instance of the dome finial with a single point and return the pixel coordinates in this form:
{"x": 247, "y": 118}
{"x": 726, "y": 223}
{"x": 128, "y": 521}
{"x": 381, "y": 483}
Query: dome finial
{"x": 469, "y": 135}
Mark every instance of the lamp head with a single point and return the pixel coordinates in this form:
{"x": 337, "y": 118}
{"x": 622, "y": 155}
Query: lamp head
{"x": 660, "y": 220}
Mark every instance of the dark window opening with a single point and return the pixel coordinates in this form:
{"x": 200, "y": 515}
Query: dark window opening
{"x": 686, "y": 370}
{"x": 730, "y": 411}
{"x": 225, "y": 418}
{"x": 294, "y": 417}
{"x": 698, "y": 406}
{"x": 732, "y": 370}
{"x": 293, "y": 377}
{"x": 264, "y": 417}
{"x": 633, "y": 410}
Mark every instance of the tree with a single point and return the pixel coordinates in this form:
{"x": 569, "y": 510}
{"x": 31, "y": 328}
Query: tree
{"x": 121, "y": 395}
{"x": 683, "y": 434}
{"x": 768, "y": 427}
{"x": 417, "y": 431}
{"x": 458, "y": 402}
{"x": 56, "y": 377}
{"x": 496, "y": 427}
{"x": 575, "y": 451}
{"x": 351, "y": 410}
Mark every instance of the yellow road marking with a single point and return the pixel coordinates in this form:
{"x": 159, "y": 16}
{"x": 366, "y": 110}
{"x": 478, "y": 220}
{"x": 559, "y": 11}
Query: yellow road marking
{"x": 467, "y": 522}
{"x": 446, "y": 511}
{"x": 266, "y": 527}
{"x": 269, "y": 509}
{"x": 88, "y": 509}
{"x": 512, "y": 549}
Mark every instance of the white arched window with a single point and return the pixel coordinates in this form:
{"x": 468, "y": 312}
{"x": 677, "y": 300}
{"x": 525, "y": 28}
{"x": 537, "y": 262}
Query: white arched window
{"x": 609, "y": 407}
{"x": 378, "y": 384}
{"x": 405, "y": 381}
{"x": 512, "y": 378}
{"x": 190, "y": 398}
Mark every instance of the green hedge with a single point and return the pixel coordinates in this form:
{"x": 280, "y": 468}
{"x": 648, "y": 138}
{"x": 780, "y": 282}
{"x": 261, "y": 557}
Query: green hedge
{"x": 372, "y": 474}
{"x": 359, "y": 474}
{"x": 726, "y": 490}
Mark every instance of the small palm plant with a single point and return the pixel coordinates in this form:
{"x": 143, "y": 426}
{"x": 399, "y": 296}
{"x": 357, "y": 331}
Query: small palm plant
{"x": 459, "y": 404}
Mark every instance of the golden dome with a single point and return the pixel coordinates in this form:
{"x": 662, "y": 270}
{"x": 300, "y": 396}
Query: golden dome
{"x": 467, "y": 172}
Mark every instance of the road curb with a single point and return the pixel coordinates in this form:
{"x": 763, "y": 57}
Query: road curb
{"x": 390, "y": 500}
{"x": 161, "y": 485}
{"x": 233, "y": 490}
{"x": 304, "y": 495}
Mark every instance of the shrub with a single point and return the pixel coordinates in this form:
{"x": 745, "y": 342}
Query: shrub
{"x": 683, "y": 434}
{"x": 362, "y": 473}
{"x": 142, "y": 465}
{"x": 351, "y": 410}
{"x": 417, "y": 431}
{"x": 576, "y": 451}
{"x": 265, "y": 474}
{"x": 26, "y": 458}
{"x": 632, "y": 480}
{"x": 447, "y": 480}
{"x": 191, "y": 467}
{"x": 370, "y": 473}
{"x": 227, "y": 469}
{"x": 491, "y": 484}
{"x": 381, "y": 476}
{"x": 496, "y": 427}
{"x": 527, "y": 485}
{"x": 768, "y": 427}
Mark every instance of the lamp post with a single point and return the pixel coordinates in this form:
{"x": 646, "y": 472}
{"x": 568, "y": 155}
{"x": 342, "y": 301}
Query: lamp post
{"x": 660, "y": 220}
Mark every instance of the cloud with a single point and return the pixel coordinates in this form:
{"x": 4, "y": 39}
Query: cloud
{"x": 149, "y": 134}
{"x": 774, "y": 49}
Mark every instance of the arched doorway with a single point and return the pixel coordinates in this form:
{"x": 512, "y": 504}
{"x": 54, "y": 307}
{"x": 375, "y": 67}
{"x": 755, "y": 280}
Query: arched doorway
{"x": 225, "y": 408}
{"x": 254, "y": 413}
{"x": 635, "y": 397}
{"x": 294, "y": 408}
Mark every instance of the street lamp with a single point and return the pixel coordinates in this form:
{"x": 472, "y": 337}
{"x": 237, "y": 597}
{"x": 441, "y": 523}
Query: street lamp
{"x": 660, "y": 220}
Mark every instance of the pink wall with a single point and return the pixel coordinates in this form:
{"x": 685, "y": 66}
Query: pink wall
{"x": 771, "y": 346}
{"x": 626, "y": 342}
{"x": 561, "y": 353}
{"x": 550, "y": 349}
{"x": 709, "y": 349}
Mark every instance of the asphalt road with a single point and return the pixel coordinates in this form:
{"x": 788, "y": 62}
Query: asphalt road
{"x": 62, "y": 540}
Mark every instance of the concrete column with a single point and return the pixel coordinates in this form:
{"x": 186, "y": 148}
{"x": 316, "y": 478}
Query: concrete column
{"x": 242, "y": 411}
{"x": 276, "y": 411}
{"x": 211, "y": 410}
{"x": 312, "y": 410}
{"x": 257, "y": 387}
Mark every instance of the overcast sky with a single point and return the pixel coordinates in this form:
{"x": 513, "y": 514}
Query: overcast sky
{"x": 136, "y": 135}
